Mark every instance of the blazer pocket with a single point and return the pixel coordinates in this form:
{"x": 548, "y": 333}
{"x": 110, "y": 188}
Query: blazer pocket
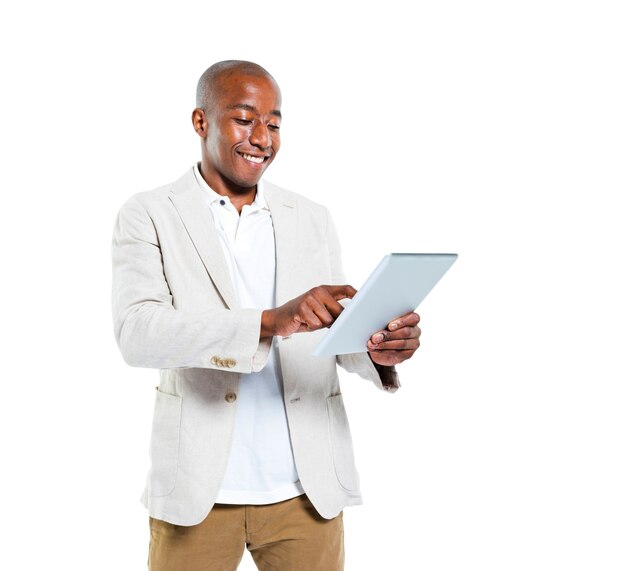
{"x": 164, "y": 443}
{"x": 341, "y": 442}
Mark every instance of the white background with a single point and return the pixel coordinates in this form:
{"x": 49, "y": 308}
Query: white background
{"x": 492, "y": 129}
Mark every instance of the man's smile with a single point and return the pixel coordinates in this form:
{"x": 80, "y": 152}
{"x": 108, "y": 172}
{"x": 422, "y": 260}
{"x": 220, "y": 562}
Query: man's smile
{"x": 252, "y": 158}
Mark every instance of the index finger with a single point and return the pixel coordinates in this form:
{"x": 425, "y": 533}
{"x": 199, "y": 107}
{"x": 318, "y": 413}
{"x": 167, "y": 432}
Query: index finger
{"x": 407, "y": 320}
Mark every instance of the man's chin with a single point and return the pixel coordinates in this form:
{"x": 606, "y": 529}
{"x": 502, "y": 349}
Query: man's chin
{"x": 246, "y": 182}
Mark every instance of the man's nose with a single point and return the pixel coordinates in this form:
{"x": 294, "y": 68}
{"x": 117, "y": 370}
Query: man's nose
{"x": 260, "y": 136}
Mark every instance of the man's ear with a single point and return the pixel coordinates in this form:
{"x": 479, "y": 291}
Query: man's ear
{"x": 199, "y": 122}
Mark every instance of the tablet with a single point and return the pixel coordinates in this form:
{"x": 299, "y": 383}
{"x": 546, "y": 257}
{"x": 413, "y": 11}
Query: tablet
{"x": 396, "y": 287}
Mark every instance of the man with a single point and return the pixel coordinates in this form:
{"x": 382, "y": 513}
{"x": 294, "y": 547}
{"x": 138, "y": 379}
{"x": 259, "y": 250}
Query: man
{"x": 217, "y": 282}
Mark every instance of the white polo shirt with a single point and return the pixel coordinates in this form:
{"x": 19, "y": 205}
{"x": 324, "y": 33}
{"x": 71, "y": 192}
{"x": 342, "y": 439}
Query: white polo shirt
{"x": 261, "y": 468}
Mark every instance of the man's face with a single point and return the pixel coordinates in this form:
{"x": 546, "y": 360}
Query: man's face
{"x": 243, "y": 134}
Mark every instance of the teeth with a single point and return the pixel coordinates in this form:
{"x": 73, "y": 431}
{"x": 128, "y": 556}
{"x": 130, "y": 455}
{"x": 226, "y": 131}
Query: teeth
{"x": 257, "y": 160}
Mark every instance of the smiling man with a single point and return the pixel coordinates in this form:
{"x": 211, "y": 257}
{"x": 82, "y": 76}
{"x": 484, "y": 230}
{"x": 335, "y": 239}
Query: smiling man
{"x": 225, "y": 282}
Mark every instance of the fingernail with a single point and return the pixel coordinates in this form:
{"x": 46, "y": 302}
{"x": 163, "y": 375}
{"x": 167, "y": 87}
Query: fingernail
{"x": 393, "y": 325}
{"x": 377, "y": 338}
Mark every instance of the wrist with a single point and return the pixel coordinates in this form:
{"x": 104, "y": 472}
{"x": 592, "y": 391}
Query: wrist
{"x": 267, "y": 323}
{"x": 378, "y": 366}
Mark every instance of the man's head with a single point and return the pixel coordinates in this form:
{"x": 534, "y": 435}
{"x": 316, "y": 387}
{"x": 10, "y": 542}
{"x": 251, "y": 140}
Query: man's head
{"x": 237, "y": 116}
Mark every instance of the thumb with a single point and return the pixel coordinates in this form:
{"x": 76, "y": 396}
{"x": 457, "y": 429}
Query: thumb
{"x": 342, "y": 291}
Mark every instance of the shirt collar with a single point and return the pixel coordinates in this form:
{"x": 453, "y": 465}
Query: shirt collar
{"x": 212, "y": 196}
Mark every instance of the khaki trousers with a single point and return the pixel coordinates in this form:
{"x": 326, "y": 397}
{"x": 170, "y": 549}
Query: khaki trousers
{"x": 286, "y": 536}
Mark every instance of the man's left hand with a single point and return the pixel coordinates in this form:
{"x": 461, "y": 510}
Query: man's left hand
{"x": 397, "y": 343}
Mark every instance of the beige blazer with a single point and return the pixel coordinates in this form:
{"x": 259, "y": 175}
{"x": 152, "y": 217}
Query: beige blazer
{"x": 174, "y": 309}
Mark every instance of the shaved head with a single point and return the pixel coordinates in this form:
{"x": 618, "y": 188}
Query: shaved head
{"x": 237, "y": 117}
{"x": 211, "y": 81}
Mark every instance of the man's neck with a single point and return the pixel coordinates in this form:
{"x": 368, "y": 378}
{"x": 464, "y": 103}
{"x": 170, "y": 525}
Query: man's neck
{"x": 237, "y": 195}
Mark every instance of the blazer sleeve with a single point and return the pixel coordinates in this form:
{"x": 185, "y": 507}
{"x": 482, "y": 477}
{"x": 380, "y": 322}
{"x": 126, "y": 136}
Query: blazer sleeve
{"x": 384, "y": 378}
{"x": 151, "y": 332}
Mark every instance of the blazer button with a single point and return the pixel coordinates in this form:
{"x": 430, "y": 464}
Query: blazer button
{"x": 230, "y": 363}
{"x": 214, "y": 360}
{"x": 230, "y": 397}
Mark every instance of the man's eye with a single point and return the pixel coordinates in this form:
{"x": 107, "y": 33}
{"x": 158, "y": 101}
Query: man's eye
{"x": 243, "y": 121}
{"x": 274, "y": 127}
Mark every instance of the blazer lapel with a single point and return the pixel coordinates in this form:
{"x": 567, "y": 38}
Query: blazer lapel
{"x": 284, "y": 219}
{"x": 194, "y": 212}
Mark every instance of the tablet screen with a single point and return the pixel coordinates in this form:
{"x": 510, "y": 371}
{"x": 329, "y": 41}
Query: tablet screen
{"x": 396, "y": 287}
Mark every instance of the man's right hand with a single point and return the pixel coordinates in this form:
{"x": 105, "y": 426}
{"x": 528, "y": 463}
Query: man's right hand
{"x": 313, "y": 310}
